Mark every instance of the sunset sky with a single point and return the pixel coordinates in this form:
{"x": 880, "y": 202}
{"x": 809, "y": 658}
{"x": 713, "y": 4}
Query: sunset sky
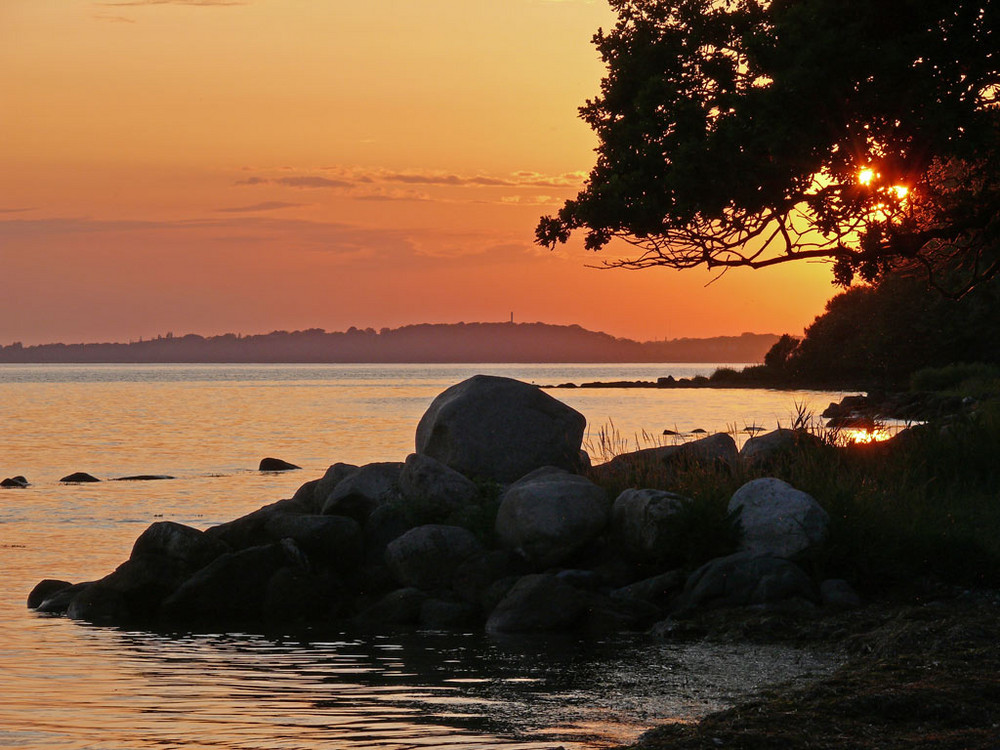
{"x": 209, "y": 166}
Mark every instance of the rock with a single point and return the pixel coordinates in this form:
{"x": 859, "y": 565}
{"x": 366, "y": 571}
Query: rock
{"x": 295, "y": 595}
{"x": 777, "y": 519}
{"x": 426, "y": 557}
{"x": 17, "y": 482}
{"x": 186, "y": 545}
{"x": 140, "y": 584}
{"x": 363, "y": 490}
{"x": 249, "y": 530}
{"x": 143, "y": 478}
{"x": 549, "y": 515}
{"x": 276, "y": 464}
{"x": 304, "y": 498}
{"x": 745, "y": 578}
{"x": 717, "y": 448}
{"x": 232, "y": 587}
{"x": 46, "y": 589}
{"x": 477, "y": 574}
{"x": 658, "y": 590}
{"x": 433, "y": 491}
{"x": 57, "y": 602}
{"x": 771, "y": 445}
{"x": 399, "y": 607}
{"x": 443, "y": 613}
{"x": 585, "y": 580}
{"x": 641, "y": 523}
{"x": 79, "y": 477}
{"x": 386, "y": 523}
{"x": 500, "y": 429}
{"x": 333, "y": 542}
{"x": 837, "y": 593}
{"x": 99, "y": 605}
{"x": 325, "y": 485}
{"x": 539, "y": 603}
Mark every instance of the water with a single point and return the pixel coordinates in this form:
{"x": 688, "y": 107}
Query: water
{"x": 68, "y": 685}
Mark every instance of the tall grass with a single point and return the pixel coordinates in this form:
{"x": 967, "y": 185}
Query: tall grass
{"x": 922, "y": 507}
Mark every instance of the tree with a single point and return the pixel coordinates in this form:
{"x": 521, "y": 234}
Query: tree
{"x": 751, "y": 133}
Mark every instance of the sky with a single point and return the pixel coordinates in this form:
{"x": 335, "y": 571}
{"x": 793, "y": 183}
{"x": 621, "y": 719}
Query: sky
{"x": 214, "y": 166}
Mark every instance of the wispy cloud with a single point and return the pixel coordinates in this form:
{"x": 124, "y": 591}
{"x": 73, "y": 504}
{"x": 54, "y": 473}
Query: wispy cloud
{"x": 375, "y": 185}
{"x": 15, "y": 210}
{"x": 113, "y": 19}
{"x": 262, "y": 206}
{"x": 303, "y": 181}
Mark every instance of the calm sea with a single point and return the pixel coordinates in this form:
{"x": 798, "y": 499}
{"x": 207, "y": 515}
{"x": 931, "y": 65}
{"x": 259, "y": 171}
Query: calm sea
{"x": 67, "y": 685}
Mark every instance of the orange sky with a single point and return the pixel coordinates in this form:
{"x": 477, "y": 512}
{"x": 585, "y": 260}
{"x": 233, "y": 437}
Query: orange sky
{"x": 209, "y": 166}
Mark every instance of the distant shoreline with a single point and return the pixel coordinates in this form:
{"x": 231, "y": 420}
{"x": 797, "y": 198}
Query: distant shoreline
{"x": 426, "y": 343}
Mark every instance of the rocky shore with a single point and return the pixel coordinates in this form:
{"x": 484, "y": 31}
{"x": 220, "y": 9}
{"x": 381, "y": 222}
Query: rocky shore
{"x": 490, "y": 523}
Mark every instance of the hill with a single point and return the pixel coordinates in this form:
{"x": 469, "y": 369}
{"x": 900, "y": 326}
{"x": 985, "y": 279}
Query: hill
{"x": 423, "y": 343}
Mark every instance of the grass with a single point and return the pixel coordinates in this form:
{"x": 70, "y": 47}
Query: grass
{"x": 923, "y": 507}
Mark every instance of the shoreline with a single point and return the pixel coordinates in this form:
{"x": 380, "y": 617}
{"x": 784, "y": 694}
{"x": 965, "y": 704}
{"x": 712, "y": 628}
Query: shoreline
{"x": 924, "y": 674}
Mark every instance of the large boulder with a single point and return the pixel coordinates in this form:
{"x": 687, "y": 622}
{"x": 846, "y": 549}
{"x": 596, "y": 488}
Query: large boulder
{"x": 18, "y": 482}
{"x": 500, "y": 429}
{"x": 642, "y": 522}
{"x": 720, "y": 448}
{"x": 777, "y": 519}
{"x": 746, "y": 578}
{"x": 774, "y": 444}
{"x": 427, "y": 557}
{"x": 549, "y": 515}
{"x": 539, "y": 603}
{"x": 363, "y": 490}
{"x": 432, "y": 491}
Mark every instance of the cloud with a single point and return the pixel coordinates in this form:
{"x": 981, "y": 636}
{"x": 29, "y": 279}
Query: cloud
{"x": 304, "y": 181}
{"x": 113, "y": 19}
{"x": 15, "y": 210}
{"x": 347, "y": 178}
{"x": 262, "y": 206}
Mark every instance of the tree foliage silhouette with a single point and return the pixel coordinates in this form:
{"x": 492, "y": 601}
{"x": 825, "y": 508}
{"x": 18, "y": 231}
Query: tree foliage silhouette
{"x": 750, "y": 133}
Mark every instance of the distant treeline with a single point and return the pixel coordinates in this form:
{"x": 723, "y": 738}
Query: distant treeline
{"x": 424, "y": 343}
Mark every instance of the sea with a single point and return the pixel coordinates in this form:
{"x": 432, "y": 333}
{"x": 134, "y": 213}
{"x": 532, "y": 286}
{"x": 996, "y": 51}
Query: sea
{"x": 72, "y": 686}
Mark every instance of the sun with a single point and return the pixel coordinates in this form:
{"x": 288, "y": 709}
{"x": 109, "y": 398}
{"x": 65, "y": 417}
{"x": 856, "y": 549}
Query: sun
{"x": 866, "y": 175}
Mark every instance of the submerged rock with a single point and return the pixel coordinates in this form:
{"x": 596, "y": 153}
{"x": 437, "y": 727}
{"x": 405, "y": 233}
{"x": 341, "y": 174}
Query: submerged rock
{"x": 276, "y": 464}
{"x": 79, "y": 477}
{"x": 500, "y": 429}
{"x": 14, "y": 482}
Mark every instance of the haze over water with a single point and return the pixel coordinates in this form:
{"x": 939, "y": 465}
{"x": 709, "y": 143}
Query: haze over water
{"x": 73, "y": 686}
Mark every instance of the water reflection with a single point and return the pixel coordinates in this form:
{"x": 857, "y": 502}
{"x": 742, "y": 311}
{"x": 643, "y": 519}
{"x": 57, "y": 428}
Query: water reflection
{"x": 425, "y": 689}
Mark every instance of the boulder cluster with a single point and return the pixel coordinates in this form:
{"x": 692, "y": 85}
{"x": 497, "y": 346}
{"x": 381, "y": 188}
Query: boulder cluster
{"x": 491, "y": 522}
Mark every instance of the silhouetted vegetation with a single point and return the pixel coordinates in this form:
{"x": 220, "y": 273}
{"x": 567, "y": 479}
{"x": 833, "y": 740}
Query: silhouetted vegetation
{"x": 753, "y": 133}
{"x": 882, "y": 336}
{"x": 921, "y": 506}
